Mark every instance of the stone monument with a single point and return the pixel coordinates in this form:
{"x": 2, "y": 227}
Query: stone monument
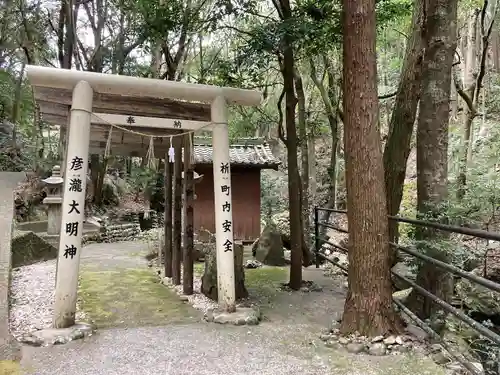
{"x": 54, "y": 201}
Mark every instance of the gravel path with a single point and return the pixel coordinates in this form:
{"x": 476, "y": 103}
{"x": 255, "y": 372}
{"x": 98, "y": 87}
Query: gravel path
{"x": 32, "y": 296}
{"x": 203, "y": 349}
{"x": 32, "y": 287}
{"x": 289, "y": 345}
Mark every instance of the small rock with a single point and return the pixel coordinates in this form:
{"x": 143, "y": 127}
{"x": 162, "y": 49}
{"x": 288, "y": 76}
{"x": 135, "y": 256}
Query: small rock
{"x": 435, "y": 348}
{"x": 337, "y": 317}
{"x": 355, "y": 347}
{"x": 478, "y": 366}
{"x": 377, "y": 339}
{"x": 326, "y": 331}
{"x": 183, "y": 298}
{"x": 30, "y": 340}
{"x": 60, "y": 340}
{"x": 242, "y": 316}
{"x": 400, "y": 340}
{"x": 391, "y": 340}
{"x": 344, "y": 340}
{"x": 421, "y": 349}
{"x": 334, "y": 325}
{"x": 252, "y": 264}
{"x": 325, "y": 337}
{"x": 455, "y": 367}
{"x": 440, "y": 358}
{"x": 76, "y": 335}
{"x": 377, "y": 349}
{"x": 417, "y": 332}
{"x": 403, "y": 349}
{"x": 332, "y": 344}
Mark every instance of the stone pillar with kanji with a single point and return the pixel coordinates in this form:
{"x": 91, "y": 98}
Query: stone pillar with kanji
{"x": 73, "y": 205}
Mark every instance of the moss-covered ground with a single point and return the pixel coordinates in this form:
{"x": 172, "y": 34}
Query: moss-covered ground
{"x": 10, "y": 368}
{"x": 262, "y": 283}
{"x": 130, "y": 297}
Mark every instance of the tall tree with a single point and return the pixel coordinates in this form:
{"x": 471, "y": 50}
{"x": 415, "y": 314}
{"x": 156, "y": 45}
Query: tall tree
{"x": 398, "y": 145}
{"x": 294, "y": 194}
{"x": 474, "y": 73}
{"x": 440, "y": 18}
{"x": 368, "y": 308}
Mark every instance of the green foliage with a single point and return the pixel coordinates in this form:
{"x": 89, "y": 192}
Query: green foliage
{"x": 391, "y": 10}
{"x": 143, "y": 180}
{"x": 19, "y": 156}
{"x": 273, "y": 200}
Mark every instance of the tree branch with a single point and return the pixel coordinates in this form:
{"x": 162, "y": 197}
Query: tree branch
{"x": 388, "y": 96}
{"x": 281, "y": 131}
{"x": 485, "y": 34}
{"x": 463, "y": 94}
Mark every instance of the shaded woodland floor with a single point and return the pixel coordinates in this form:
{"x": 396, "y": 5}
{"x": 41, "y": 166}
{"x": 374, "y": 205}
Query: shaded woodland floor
{"x": 144, "y": 328}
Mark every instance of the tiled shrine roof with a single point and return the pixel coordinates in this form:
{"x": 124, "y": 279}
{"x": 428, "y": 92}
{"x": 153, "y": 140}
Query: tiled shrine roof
{"x": 251, "y": 152}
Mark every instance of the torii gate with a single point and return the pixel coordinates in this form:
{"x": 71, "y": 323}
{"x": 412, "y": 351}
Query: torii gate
{"x": 56, "y": 89}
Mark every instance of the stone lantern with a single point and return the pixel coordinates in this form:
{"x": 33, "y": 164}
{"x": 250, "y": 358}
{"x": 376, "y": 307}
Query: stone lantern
{"x": 54, "y": 201}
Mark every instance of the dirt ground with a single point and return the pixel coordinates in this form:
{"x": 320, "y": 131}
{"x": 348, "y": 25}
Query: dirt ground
{"x": 143, "y": 327}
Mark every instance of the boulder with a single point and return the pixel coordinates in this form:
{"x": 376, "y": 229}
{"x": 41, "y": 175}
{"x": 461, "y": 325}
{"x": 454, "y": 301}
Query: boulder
{"x": 204, "y": 235}
{"x": 204, "y": 243}
{"x": 202, "y": 248}
{"x": 209, "y": 279}
{"x": 110, "y": 192}
{"x": 403, "y": 269}
{"x": 29, "y": 248}
{"x": 280, "y": 224}
{"x": 268, "y": 249}
{"x": 490, "y": 269}
{"x": 478, "y": 298}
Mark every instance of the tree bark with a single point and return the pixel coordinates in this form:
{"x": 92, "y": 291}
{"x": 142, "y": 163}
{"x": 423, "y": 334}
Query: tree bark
{"x": 168, "y": 216}
{"x": 495, "y": 50}
{"x": 397, "y": 147}
{"x": 469, "y": 112}
{"x": 294, "y": 195}
{"x": 312, "y": 166}
{"x": 432, "y": 144}
{"x": 476, "y": 70}
{"x": 177, "y": 213}
{"x": 368, "y": 308}
{"x": 187, "y": 268}
{"x": 304, "y": 156}
{"x": 331, "y": 102}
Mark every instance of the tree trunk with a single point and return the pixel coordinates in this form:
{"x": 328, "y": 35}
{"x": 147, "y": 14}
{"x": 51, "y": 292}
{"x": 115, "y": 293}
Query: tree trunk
{"x": 495, "y": 50}
{"x": 368, "y": 308}
{"x": 304, "y": 156}
{"x": 294, "y": 195}
{"x": 397, "y": 147}
{"x": 432, "y": 143}
{"x": 330, "y": 100}
{"x": 468, "y": 113}
{"x": 476, "y": 70}
{"x": 454, "y": 102}
{"x": 312, "y": 166}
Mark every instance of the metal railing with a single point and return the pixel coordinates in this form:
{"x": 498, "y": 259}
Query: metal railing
{"x": 477, "y": 326}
